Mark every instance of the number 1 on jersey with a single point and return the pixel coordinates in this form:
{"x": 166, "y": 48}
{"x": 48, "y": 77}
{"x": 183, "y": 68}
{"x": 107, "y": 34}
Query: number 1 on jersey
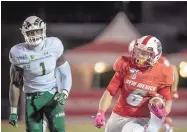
{"x": 43, "y": 68}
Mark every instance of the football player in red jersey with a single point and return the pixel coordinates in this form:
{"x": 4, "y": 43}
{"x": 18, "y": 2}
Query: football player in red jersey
{"x": 168, "y": 125}
{"x": 139, "y": 78}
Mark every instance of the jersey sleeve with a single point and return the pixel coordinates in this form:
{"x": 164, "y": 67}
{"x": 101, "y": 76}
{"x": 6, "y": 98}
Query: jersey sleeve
{"x": 117, "y": 79}
{"x": 168, "y": 76}
{"x": 165, "y": 92}
{"x": 59, "y": 48}
{"x": 166, "y": 82}
{"x": 120, "y": 64}
{"x": 114, "y": 84}
{"x": 17, "y": 56}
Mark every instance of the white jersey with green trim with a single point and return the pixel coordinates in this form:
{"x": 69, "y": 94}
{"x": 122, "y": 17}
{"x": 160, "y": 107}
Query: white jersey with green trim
{"x": 38, "y": 66}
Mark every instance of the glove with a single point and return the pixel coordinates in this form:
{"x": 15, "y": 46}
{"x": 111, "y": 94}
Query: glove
{"x": 175, "y": 95}
{"x": 157, "y": 106}
{"x": 61, "y": 97}
{"x": 100, "y": 119}
{"x": 13, "y": 120}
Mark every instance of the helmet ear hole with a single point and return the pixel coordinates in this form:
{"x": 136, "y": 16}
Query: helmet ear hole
{"x": 150, "y": 48}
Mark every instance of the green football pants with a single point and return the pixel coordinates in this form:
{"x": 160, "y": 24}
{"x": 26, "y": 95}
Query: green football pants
{"x": 37, "y": 105}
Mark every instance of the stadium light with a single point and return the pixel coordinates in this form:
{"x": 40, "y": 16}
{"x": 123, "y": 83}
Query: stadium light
{"x": 100, "y": 67}
{"x": 183, "y": 69}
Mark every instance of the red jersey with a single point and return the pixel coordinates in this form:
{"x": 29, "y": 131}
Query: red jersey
{"x": 137, "y": 87}
{"x": 164, "y": 61}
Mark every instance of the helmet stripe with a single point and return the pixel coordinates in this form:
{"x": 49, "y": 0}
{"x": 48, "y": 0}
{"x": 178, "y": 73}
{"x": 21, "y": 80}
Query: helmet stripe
{"x": 146, "y": 40}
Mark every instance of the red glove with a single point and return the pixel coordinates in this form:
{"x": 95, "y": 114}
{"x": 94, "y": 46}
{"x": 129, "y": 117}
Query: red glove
{"x": 100, "y": 119}
{"x": 175, "y": 95}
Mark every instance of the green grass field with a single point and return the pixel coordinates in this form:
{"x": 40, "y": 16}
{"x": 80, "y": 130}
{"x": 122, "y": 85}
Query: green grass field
{"x": 5, "y": 127}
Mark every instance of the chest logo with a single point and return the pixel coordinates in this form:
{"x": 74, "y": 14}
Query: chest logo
{"x": 32, "y": 57}
{"x": 134, "y": 73}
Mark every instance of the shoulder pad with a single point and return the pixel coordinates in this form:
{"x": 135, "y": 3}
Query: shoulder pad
{"x": 57, "y": 45}
{"x": 164, "y": 61}
{"x": 120, "y": 63}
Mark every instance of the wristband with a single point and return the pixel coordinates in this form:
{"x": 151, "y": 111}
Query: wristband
{"x": 101, "y": 112}
{"x": 65, "y": 92}
{"x": 13, "y": 110}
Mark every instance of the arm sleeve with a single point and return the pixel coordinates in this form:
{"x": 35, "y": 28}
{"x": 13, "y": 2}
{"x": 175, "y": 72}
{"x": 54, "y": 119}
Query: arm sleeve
{"x": 117, "y": 81}
{"x": 118, "y": 64}
{"x": 114, "y": 84}
{"x": 17, "y": 56}
{"x": 63, "y": 76}
{"x": 165, "y": 92}
{"x": 14, "y": 60}
{"x": 166, "y": 82}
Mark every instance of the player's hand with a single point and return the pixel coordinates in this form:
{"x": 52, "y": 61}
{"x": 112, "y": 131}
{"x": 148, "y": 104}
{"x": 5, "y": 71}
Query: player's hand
{"x": 169, "y": 121}
{"x": 100, "y": 120}
{"x": 61, "y": 97}
{"x": 13, "y": 120}
{"x": 175, "y": 95}
{"x": 157, "y": 107}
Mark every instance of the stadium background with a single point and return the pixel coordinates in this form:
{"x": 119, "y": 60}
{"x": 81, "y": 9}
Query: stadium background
{"x": 94, "y": 34}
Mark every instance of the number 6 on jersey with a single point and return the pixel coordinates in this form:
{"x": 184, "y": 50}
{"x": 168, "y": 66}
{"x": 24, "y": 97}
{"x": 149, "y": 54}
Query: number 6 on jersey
{"x": 136, "y": 97}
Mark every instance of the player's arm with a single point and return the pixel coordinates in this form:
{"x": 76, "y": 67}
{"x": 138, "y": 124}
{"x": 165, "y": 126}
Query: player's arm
{"x": 166, "y": 93}
{"x": 168, "y": 106}
{"x": 176, "y": 78}
{"x": 174, "y": 87}
{"x": 64, "y": 79}
{"x": 16, "y": 77}
{"x": 105, "y": 101}
{"x": 16, "y": 83}
{"x": 111, "y": 91}
{"x": 114, "y": 85}
{"x": 166, "y": 83}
